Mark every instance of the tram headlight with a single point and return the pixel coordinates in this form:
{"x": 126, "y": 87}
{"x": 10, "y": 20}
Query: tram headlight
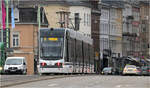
{"x": 59, "y": 64}
{"x": 1, "y": 68}
{"x": 43, "y": 64}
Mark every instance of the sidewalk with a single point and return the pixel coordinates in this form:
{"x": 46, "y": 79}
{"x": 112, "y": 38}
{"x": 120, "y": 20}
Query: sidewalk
{"x": 10, "y": 80}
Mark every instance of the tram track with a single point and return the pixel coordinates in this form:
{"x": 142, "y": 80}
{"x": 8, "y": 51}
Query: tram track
{"x": 7, "y": 83}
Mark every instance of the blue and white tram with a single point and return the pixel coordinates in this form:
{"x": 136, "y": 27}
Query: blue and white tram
{"x": 65, "y": 51}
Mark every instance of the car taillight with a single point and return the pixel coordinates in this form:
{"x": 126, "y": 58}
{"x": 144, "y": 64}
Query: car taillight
{"x": 43, "y": 64}
{"x": 149, "y": 70}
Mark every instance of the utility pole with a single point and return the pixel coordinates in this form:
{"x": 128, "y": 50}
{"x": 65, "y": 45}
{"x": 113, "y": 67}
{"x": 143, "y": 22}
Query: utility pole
{"x": 38, "y": 38}
{"x": 7, "y": 24}
{"x": 1, "y": 21}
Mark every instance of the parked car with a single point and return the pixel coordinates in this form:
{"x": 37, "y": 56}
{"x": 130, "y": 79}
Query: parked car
{"x": 108, "y": 71}
{"x": 131, "y": 70}
{"x": 15, "y": 65}
{"x": 145, "y": 70}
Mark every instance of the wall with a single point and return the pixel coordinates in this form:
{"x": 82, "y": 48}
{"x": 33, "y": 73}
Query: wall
{"x": 51, "y": 15}
{"x": 85, "y": 16}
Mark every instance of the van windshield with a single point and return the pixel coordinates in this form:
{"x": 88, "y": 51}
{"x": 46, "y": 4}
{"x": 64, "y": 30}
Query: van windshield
{"x": 14, "y": 62}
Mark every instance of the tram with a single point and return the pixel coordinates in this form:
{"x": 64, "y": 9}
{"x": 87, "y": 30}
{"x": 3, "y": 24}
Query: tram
{"x": 65, "y": 51}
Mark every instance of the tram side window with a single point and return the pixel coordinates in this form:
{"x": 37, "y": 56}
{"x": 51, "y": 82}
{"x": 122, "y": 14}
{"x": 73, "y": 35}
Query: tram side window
{"x": 92, "y": 55}
{"x": 86, "y": 53}
{"x": 84, "y": 48}
{"x": 78, "y": 50}
{"x": 89, "y": 51}
{"x": 70, "y": 49}
{"x": 73, "y": 49}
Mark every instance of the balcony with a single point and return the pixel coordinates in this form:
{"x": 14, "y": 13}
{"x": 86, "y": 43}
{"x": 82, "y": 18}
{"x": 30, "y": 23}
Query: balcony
{"x": 129, "y": 34}
{"x": 28, "y": 16}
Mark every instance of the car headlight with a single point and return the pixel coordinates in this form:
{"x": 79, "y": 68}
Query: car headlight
{"x": 5, "y": 67}
{"x": 1, "y": 68}
{"x": 20, "y": 67}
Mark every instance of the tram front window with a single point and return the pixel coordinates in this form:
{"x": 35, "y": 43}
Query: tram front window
{"x": 52, "y": 48}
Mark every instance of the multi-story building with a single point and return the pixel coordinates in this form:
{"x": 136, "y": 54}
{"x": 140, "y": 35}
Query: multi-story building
{"x": 23, "y": 38}
{"x": 83, "y": 12}
{"x": 104, "y": 32}
{"x": 131, "y": 29}
{"x": 104, "y": 28}
{"x": 64, "y": 14}
{"x": 145, "y": 28}
{"x": 57, "y": 13}
{"x": 95, "y": 22}
{"x": 116, "y": 31}
{"x": 110, "y": 31}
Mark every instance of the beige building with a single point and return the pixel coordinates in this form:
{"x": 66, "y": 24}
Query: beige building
{"x": 116, "y": 31}
{"x": 57, "y": 15}
{"x": 24, "y": 37}
{"x": 145, "y": 28}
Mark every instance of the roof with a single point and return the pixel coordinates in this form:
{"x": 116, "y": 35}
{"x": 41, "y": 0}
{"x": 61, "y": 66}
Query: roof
{"x": 116, "y": 3}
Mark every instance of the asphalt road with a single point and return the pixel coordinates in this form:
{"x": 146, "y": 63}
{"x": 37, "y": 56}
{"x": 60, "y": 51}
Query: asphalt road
{"x": 11, "y": 80}
{"x": 91, "y": 81}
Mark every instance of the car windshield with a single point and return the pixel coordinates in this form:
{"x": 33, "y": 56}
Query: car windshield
{"x": 52, "y": 48}
{"x": 106, "y": 69}
{"x": 13, "y": 61}
{"x": 130, "y": 66}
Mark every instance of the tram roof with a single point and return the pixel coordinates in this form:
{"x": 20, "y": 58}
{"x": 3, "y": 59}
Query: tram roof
{"x": 80, "y": 36}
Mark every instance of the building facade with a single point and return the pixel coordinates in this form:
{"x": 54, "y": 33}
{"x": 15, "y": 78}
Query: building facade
{"x": 104, "y": 28}
{"x": 84, "y": 14}
{"x": 57, "y": 15}
{"x": 145, "y": 28}
{"x": 116, "y": 31}
{"x": 131, "y": 30}
{"x": 95, "y": 32}
{"x": 24, "y": 37}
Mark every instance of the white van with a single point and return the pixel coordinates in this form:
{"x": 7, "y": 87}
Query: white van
{"x": 15, "y": 65}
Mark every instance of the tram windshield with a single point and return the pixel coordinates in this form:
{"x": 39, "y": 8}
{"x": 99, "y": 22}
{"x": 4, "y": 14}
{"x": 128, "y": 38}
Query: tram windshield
{"x": 51, "y": 48}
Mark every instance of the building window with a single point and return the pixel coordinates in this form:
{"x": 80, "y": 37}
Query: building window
{"x": 84, "y": 19}
{"x": 15, "y": 39}
{"x": 89, "y": 20}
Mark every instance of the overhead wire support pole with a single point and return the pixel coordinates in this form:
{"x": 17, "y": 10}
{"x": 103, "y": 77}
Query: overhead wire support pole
{"x": 7, "y": 24}
{"x": 39, "y": 26}
{"x": 39, "y": 16}
{"x": 1, "y": 23}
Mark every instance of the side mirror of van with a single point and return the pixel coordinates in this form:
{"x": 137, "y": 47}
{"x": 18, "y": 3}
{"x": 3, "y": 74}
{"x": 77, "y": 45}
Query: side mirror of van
{"x": 24, "y": 63}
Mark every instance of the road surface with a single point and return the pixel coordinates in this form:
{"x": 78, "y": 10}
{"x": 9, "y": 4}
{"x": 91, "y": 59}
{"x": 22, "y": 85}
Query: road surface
{"x": 91, "y": 81}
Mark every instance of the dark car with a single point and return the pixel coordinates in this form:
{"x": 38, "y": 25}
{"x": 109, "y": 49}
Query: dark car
{"x": 145, "y": 70}
{"x": 108, "y": 71}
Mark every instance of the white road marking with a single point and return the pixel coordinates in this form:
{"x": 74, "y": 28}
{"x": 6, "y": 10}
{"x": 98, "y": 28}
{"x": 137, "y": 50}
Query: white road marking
{"x": 118, "y": 86}
{"x": 51, "y": 85}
